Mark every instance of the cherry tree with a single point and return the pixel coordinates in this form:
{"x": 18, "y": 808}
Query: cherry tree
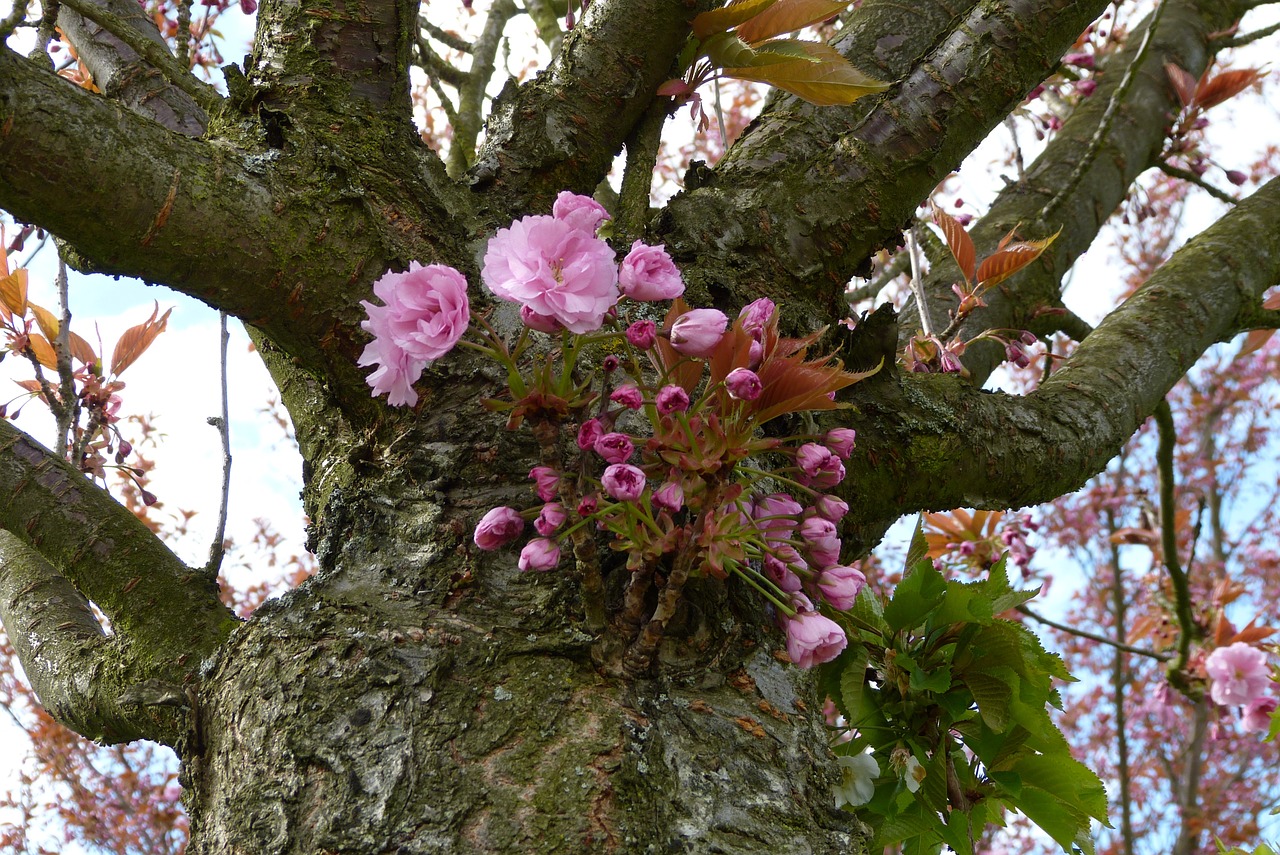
{"x": 428, "y": 690}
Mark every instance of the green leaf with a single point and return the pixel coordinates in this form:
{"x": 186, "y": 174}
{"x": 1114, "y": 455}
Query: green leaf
{"x": 827, "y": 82}
{"x": 919, "y": 549}
{"x": 1066, "y": 779}
{"x": 1059, "y": 821}
{"x": 853, "y": 684}
{"x": 993, "y": 692}
{"x": 915, "y": 822}
{"x": 916, "y": 596}
{"x": 726, "y": 49}
{"x": 867, "y": 610}
{"x": 937, "y": 680}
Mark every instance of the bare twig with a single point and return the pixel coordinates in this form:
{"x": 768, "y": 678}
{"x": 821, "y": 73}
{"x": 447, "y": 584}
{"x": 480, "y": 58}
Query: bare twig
{"x": 1119, "y": 680}
{"x": 1248, "y": 38}
{"x": 1169, "y": 540}
{"x": 223, "y": 424}
{"x": 471, "y": 94}
{"x": 183, "y": 38}
{"x": 917, "y": 280}
{"x": 44, "y": 33}
{"x": 1189, "y": 176}
{"x": 1093, "y": 636}
{"x": 450, "y": 39}
{"x": 68, "y": 414}
{"x": 16, "y": 16}
{"x": 637, "y": 179}
{"x": 1108, "y": 115}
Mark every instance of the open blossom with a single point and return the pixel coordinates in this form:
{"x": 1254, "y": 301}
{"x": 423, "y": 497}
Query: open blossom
{"x": 858, "y": 775}
{"x": 743, "y": 384}
{"x": 672, "y": 399}
{"x": 426, "y": 312}
{"x": 539, "y": 554}
{"x": 1257, "y": 716}
{"x": 813, "y": 639}
{"x": 555, "y": 270}
{"x": 615, "y": 447}
{"x": 623, "y": 481}
{"x": 1238, "y": 674}
{"x": 642, "y": 334}
{"x": 628, "y": 396}
{"x": 546, "y": 482}
{"x": 840, "y": 585}
{"x": 648, "y": 273}
{"x": 580, "y": 212}
{"x": 698, "y": 331}
{"x": 498, "y": 528}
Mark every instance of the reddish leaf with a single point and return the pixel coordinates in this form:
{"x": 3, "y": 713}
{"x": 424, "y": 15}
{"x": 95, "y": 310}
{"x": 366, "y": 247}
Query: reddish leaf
{"x": 729, "y": 16}
{"x": 44, "y": 351}
{"x": 1183, "y": 83}
{"x": 82, "y": 350}
{"x": 1257, "y": 338}
{"x": 135, "y": 340}
{"x": 1011, "y": 259}
{"x": 13, "y": 291}
{"x": 787, "y": 16}
{"x": 1225, "y": 86}
{"x": 48, "y": 323}
{"x": 826, "y": 78}
{"x": 958, "y": 241}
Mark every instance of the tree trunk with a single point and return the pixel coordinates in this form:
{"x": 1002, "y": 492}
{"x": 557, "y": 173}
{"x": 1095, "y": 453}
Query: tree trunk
{"x": 412, "y": 698}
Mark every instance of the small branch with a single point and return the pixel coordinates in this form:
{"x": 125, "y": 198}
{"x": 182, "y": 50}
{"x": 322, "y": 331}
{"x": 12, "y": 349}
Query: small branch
{"x": 1169, "y": 536}
{"x": 1248, "y": 38}
{"x": 1187, "y": 175}
{"x": 637, "y": 180}
{"x": 640, "y": 655}
{"x": 1093, "y": 636}
{"x": 548, "y": 24}
{"x": 68, "y": 414}
{"x": 44, "y": 33}
{"x": 917, "y": 280}
{"x": 183, "y": 37}
{"x": 1119, "y": 679}
{"x": 16, "y": 16}
{"x": 202, "y": 93}
{"x": 223, "y": 424}
{"x": 438, "y": 68}
{"x": 471, "y": 94}
{"x": 1108, "y": 115}
{"x": 449, "y": 39}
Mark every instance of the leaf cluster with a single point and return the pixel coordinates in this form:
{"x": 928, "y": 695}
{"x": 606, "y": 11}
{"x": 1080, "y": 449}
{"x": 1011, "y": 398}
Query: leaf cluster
{"x": 936, "y": 674}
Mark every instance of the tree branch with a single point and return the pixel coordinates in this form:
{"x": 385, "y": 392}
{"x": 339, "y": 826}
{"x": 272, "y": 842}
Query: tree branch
{"x": 588, "y": 101}
{"x": 164, "y": 610}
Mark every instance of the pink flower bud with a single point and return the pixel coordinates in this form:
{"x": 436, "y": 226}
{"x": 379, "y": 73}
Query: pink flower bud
{"x": 813, "y": 639}
{"x": 824, "y": 543}
{"x": 1079, "y": 60}
{"x": 615, "y": 447}
{"x": 669, "y": 497}
{"x": 609, "y": 364}
{"x": 743, "y": 384}
{"x": 840, "y": 441}
{"x": 781, "y": 573}
{"x": 623, "y": 482}
{"x": 1086, "y": 87}
{"x": 498, "y": 528}
{"x": 840, "y": 585}
{"x": 642, "y": 334}
{"x": 819, "y": 468}
{"x": 628, "y": 396}
{"x": 775, "y": 515}
{"x": 588, "y": 505}
{"x": 697, "y": 332}
{"x": 550, "y": 518}
{"x": 648, "y": 273}
{"x": 672, "y": 399}
{"x": 580, "y": 212}
{"x": 590, "y": 431}
{"x": 539, "y": 554}
{"x": 548, "y": 482}
{"x": 1236, "y": 177}
{"x": 541, "y": 323}
{"x": 755, "y": 354}
{"x": 755, "y": 315}
{"x": 831, "y": 508}
{"x": 1257, "y": 716}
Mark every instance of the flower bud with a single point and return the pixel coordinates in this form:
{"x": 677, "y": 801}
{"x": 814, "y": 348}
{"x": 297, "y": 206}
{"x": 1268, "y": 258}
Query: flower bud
{"x": 498, "y": 527}
{"x": 743, "y": 384}
{"x": 539, "y": 554}
{"x": 697, "y": 332}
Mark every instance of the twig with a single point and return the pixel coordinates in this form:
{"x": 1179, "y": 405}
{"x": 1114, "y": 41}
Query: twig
{"x": 1104, "y": 124}
{"x": 472, "y": 93}
{"x": 202, "y": 93}
{"x": 917, "y": 281}
{"x": 183, "y": 38}
{"x": 1093, "y": 636}
{"x": 68, "y": 414}
{"x": 16, "y": 16}
{"x": 1118, "y": 682}
{"x": 1017, "y": 147}
{"x": 547, "y": 23}
{"x": 1169, "y": 536}
{"x": 438, "y": 67}
{"x": 1247, "y": 38}
{"x": 1187, "y": 175}
{"x": 637, "y": 179}
{"x": 223, "y": 424}
{"x": 451, "y": 40}
{"x": 44, "y": 33}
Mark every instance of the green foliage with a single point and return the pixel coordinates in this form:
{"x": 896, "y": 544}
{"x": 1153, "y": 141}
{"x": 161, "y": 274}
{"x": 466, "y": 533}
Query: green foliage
{"x": 934, "y": 681}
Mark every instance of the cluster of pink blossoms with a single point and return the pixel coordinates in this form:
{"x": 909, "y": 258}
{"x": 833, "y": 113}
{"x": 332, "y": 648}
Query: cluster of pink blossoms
{"x": 1239, "y": 677}
{"x": 669, "y": 452}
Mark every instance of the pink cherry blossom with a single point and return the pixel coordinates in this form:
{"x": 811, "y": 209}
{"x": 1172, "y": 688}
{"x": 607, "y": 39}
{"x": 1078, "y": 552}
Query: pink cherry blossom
{"x": 781, "y": 568}
{"x": 541, "y": 323}
{"x": 615, "y": 447}
{"x": 775, "y": 515}
{"x": 580, "y": 212}
{"x": 648, "y": 273}
{"x": 813, "y": 639}
{"x": 672, "y": 399}
{"x": 539, "y": 554}
{"x": 642, "y": 334}
{"x": 698, "y": 331}
{"x": 588, "y": 505}
{"x": 628, "y": 396}
{"x": 426, "y": 312}
{"x": 498, "y": 527}
{"x": 840, "y": 441}
{"x": 669, "y": 497}
{"x": 550, "y": 518}
{"x": 1257, "y": 716}
{"x": 590, "y": 431}
{"x": 824, "y": 543}
{"x": 819, "y": 468}
{"x": 831, "y": 508}
{"x": 554, "y": 269}
{"x": 547, "y": 482}
{"x": 623, "y": 481}
{"x": 755, "y": 315}
{"x": 1238, "y": 673}
{"x": 840, "y": 585}
{"x": 743, "y": 384}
